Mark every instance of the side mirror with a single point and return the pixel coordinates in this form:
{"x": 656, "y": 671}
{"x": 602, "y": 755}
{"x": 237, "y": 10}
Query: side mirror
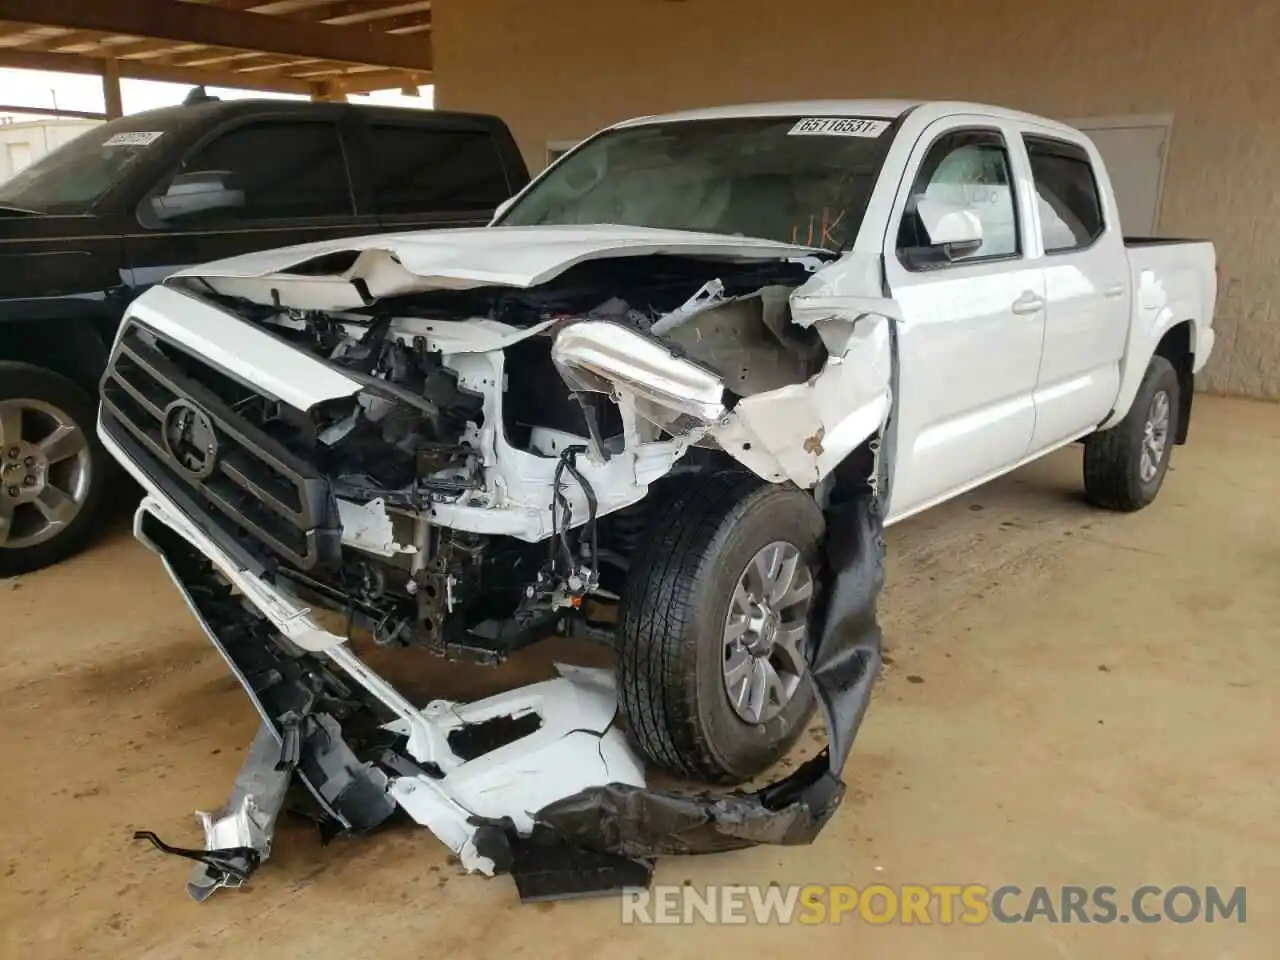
{"x": 953, "y": 228}
{"x": 198, "y": 192}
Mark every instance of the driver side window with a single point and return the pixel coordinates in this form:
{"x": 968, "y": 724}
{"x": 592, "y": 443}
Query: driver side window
{"x": 260, "y": 170}
{"x": 969, "y": 167}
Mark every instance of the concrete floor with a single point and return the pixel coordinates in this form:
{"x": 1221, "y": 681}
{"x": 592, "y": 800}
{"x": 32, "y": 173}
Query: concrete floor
{"x": 1073, "y": 698}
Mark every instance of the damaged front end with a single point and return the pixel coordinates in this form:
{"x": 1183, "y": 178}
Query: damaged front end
{"x": 468, "y": 469}
{"x": 539, "y": 782}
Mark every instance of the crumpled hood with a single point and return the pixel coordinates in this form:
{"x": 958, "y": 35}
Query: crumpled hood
{"x": 353, "y": 271}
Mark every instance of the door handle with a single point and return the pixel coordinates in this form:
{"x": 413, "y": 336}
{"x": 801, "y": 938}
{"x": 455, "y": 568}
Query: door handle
{"x": 1028, "y": 303}
{"x": 1113, "y": 291}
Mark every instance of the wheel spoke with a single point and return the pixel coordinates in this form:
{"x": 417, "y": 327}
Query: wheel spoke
{"x": 10, "y": 424}
{"x": 737, "y": 670}
{"x": 1160, "y": 410}
{"x": 800, "y": 592}
{"x": 736, "y": 628}
{"x": 66, "y": 441}
{"x": 785, "y": 575}
{"x": 789, "y": 643}
{"x": 757, "y": 690}
{"x": 57, "y": 507}
{"x": 767, "y": 689}
{"x": 741, "y": 603}
{"x": 767, "y": 563}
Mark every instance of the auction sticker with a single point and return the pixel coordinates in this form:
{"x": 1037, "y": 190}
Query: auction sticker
{"x": 838, "y": 127}
{"x": 134, "y": 138}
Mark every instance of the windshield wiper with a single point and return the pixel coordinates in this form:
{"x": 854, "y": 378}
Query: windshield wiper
{"x": 8, "y": 210}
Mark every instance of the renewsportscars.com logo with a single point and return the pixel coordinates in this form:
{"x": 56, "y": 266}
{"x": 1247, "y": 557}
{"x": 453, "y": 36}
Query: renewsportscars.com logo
{"x": 940, "y": 904}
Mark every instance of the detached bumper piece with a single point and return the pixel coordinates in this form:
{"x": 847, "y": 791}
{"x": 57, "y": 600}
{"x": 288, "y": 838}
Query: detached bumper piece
{"x": 537, "y": 782}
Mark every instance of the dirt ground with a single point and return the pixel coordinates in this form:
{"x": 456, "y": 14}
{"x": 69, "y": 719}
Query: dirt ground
{"x": 1072, "y": 697}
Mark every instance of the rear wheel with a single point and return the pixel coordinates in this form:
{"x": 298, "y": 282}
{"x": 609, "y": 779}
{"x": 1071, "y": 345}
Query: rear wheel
{"x": 1125, "y": 466}
{"x": 713, "y": 632}
{"x": 53, "y": 470}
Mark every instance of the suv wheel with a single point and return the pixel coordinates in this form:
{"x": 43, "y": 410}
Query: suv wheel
{"x": 714, "y": 624}
{"x": 52, "y": 468}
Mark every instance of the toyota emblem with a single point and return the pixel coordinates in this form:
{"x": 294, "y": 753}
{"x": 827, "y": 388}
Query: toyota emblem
{"x": 190, "y": 439}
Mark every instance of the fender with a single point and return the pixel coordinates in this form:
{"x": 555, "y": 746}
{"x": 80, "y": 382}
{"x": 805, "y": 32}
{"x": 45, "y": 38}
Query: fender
{"x": 70, "y": 335}
{"x": 1155, "y": 314}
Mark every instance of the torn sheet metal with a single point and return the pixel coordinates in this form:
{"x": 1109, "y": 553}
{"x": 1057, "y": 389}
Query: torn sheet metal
{"x": 249, "y": 817}
{"x": 570, "y": 745}
{"x": 798, "y": 432}
{"x": 544, "y": 761}
{"x": 844, "y": 663}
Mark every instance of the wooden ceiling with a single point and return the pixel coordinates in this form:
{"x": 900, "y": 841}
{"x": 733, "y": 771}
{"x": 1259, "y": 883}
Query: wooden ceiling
{"x": 317, "y": 47}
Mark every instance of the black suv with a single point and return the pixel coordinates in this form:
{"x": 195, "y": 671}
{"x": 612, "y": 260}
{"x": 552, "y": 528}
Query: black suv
{"x": 90, "y": 226}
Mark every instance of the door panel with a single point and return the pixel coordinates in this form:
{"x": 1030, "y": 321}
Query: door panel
{"x": 968, "y": 372}
{"x": 973, "y": 329}
{"x": 1087, "y": 288}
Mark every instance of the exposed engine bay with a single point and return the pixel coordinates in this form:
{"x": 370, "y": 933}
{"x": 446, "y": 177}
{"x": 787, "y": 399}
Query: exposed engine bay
{"x": 495, "y": 469}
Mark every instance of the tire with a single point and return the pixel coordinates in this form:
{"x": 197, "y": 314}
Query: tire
{"x": 47, "y": 391}
{"x": 1113, "y": 459}
{"x": 671, "y": 642}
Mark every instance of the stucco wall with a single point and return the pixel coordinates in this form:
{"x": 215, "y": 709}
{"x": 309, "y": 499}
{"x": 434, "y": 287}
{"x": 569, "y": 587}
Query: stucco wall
{"x": 561, "y": 68}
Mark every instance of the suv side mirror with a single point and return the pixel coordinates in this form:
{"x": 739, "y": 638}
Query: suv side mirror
{"x": 198, "y": 192}
{"x": 955, "y": 229}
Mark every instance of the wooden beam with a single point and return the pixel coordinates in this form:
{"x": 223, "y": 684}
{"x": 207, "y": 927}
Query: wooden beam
{"x": 144, "y": 49}
{"x": 218, "y": 27}
{"x": 50, "y": 112}
{"x": 142, "y": 70}
{"x": 374, "y": 15}
{"x": 111, "y": 88}
{"x": 389, "y": 24}
{"x": 382, "y": 80}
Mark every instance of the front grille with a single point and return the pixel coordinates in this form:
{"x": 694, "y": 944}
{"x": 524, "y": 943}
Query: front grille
{"x": 256, "y": 491}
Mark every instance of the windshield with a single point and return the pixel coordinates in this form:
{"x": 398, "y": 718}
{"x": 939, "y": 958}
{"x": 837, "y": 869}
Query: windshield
{"x": 74, "y": 177}
{"x": 793, "y": 179}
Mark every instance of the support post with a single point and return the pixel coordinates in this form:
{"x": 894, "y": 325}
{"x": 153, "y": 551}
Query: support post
{"x": 111, "y": 89}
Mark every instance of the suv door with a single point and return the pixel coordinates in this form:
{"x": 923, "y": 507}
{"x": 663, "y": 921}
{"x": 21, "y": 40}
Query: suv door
{"x": 268, "y": 181}
{"x": 1086, "y": 284}
{"x": 428, "y": 174}
{"x": 973, "y": 325}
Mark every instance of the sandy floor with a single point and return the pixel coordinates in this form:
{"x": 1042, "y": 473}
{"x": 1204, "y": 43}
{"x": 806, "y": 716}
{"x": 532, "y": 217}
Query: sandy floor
{"x": 1073, "y": 698}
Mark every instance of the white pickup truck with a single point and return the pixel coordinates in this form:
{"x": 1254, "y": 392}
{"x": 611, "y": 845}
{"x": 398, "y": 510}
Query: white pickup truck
{"x": 626, "y": 409}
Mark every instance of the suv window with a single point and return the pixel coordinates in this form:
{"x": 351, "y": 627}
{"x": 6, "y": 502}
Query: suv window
{"x": 421, "y": 170}
{"x": 1070, "y": 208}
{"x": 969, "y": 167}
{"x": 271, "y": 169}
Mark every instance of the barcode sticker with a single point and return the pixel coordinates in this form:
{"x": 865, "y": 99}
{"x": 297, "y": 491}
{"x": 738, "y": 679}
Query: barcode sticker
{"x": 838, "y": 127}
{"x": 134, "y": 138}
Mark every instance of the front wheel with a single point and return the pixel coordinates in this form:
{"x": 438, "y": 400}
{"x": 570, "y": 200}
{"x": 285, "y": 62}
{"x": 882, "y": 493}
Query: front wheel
{"x": 713, "y": 632}
{"x": 1125, "y": 466}
{"x": 53, "y": 470}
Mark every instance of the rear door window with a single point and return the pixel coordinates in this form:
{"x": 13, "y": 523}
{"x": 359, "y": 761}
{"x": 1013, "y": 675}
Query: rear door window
{"x": 1069, "y": 201}
{"x": 420, "y": 170}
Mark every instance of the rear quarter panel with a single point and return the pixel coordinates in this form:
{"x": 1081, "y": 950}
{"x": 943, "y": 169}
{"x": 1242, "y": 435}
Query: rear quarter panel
{"x": 1171, "y": 283}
